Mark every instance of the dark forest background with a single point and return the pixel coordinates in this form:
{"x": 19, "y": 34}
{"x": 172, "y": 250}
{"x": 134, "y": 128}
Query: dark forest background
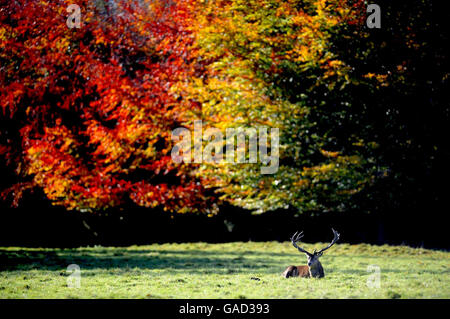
{"x": 39, "y": 224}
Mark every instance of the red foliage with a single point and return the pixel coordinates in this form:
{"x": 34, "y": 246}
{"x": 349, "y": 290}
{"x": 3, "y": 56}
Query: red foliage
{"x": 87, "y": 113}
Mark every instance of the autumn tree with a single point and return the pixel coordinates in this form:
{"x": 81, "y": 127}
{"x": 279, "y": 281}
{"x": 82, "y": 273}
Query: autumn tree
{"x": 271, "y": 63}
{"x": 87, "y": 112}
{"x": 333, "y": 86}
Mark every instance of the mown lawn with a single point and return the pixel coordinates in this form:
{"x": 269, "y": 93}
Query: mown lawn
{"x": 232, "y": 270}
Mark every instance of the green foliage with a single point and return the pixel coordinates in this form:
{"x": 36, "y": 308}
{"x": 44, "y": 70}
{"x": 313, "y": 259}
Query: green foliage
{"x": 274, "y": 63}
{"x": 345, "y": 97}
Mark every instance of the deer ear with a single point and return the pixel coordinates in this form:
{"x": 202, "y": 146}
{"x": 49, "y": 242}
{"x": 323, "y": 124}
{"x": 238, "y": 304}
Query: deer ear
{"x": 319, "y": 254}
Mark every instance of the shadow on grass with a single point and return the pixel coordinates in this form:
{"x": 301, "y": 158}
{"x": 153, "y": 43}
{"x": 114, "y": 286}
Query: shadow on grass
{"x": 189, "y": 261}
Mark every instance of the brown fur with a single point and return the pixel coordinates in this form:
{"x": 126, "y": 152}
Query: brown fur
{"x": 313, "y": 269}
{"x": 297, "y": 271}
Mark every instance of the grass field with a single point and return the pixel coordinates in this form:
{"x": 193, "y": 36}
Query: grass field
{"x": 232, "y": 270}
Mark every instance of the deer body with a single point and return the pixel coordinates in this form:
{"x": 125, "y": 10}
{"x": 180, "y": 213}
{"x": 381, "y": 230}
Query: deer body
{"x": 314, "y": 267}
{"x": 304, "y": 271}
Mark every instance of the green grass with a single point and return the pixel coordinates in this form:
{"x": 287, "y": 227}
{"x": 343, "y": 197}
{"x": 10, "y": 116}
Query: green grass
{"x": 232, "y": 270}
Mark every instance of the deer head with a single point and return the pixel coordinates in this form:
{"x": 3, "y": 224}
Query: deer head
{"x": 313, "y": 259}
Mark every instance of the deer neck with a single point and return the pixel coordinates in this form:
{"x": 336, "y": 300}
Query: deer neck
{"x": 316, "y": 270}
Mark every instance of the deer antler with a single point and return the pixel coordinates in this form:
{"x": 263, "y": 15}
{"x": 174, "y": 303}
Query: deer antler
{"x": 296, "y": 238}
{"x": 335, "y": 239}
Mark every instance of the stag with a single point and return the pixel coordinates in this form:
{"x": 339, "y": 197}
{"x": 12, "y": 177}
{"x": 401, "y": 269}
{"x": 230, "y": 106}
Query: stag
{"x": 314, "y": 267}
